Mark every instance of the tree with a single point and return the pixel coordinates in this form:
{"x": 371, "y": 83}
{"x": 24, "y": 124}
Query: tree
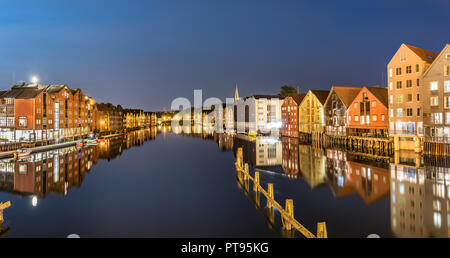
{"x": 288, "y": 90}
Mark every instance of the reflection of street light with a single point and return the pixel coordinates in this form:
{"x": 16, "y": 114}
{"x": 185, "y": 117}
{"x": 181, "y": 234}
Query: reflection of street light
{"x": 102, "y": 122}
{"x": 34, "y": 201}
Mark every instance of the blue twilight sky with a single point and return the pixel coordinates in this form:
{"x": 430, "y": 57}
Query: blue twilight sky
{"x": 143, "y": 54}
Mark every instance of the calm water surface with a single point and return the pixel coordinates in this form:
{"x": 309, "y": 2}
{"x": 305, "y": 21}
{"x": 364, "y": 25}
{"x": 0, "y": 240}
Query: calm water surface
{"x": 159, "y": 183}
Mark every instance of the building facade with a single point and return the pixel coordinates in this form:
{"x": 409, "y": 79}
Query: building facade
{"x": 258, "y": 114}
{"x": 436, "y": 97}
{"x": 336, "y": 106}
{"x": 405, "y": 101}
{"x": 311, "y": 112}
{"x": 368, "y": 113}
{"x": 289, "y": 115}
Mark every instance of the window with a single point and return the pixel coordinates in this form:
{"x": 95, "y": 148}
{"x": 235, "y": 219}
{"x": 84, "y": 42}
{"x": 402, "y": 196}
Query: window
{"x": 22, "y": 121}
{"x": 399, "y": 84}
{"x": 355, "y": 105}
{"x": 402, "y": 57}
{"x": 418, "y": 112}
{"x": 418, "y": 82}
{"x": 447, "y": 86}
{"x": 362, "y": 120}
{"x": 368, "y": 119}
{"x": 38, "y": 110}
{"x": 417, "y": 68}
{"x": 433, "y": 85}
{"x": 399, "y": 112}
{"x": 390, "y": 72}
{"x": 38, "y": 121}
{"x": 436, "y": 118}
{"x": 383, "y": 117}
{"x": 398, "y": 71}
{"x": 408, "y": 83}
{"x": 390, "y": 85}
{"x": 374, "y": 103}
{"x": 418, "y": 97}
{"x": 408, "y": 69}
{"x": 409, "y": 112}
{"x": 392, "y": 112}
{"x": 434, "y": 101}
{"x": 356, "y": 118}
{"x": 374, "y": 118}
{"x": 447, "y": 118}
{"x": 408, "y": 97}
{"x": 447, "y": 102}
{"x": 391, "y": 99}
{"x": 399, "y": 98}
{"x": 447, "y": 70}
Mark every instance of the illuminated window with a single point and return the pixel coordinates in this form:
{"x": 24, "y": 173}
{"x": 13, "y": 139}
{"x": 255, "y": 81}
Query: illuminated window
{"x": 433, "y": 85}
{"x": 22, "y": 121}
{"x": 437, "y": 220}
{"x": 374, "y": 103}
{"x": 434, "y": 101}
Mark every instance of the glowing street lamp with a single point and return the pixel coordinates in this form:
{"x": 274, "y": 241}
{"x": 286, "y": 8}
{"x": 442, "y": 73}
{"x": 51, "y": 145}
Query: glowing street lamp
{"x": 34, "y": 79}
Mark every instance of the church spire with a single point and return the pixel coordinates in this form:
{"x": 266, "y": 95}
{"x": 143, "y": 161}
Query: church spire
{"x": 236, "y": 94}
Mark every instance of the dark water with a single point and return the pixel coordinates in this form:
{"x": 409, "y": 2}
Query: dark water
{"x": 163, "y": 184}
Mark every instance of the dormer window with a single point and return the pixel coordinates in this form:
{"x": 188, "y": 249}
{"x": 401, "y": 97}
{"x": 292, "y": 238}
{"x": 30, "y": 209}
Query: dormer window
{"x": 402, "y": 57}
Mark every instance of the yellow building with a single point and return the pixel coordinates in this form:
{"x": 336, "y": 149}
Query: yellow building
{"x": 311, "y": 113}
{"x": 406, "y": 112}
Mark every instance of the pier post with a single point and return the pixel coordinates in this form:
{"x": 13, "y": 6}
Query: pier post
{"x": 322, "y": 230}
{"x": 271, "y": 196}
{"x": 256, "y": 182}
{"x": 290, "y": 210}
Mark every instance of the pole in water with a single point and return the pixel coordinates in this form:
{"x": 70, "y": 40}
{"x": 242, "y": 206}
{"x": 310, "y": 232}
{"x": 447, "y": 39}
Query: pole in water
{"x": 271, "y": 197}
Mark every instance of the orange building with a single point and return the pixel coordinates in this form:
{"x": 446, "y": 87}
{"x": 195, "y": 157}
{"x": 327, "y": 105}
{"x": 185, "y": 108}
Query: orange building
{"x": 289, "y": 115}
{"x": 33, "y": 112}
{"x": 405, "y": 101}
{"x": 368, "y": 113}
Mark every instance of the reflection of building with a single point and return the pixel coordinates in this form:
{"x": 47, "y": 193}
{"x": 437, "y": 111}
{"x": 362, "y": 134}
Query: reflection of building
{"x": 369, "y": 181}
{"x": 420, "y": 197}
{"x": 312, "y": 165}
{"x": 335, "y": 108}
{"x": 56, "y": 171}
{"x": 336, "y": 172}
{"x": 290, "y": 155}
{"x": 260, "y": 152}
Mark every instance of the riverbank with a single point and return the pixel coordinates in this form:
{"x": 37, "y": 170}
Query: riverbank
{"x": 7, "y": 154}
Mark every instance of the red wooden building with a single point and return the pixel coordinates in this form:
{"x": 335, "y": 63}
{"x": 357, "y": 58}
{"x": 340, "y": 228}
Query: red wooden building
{"x": 368, "y": 113}
{"x": 289, "y": 115}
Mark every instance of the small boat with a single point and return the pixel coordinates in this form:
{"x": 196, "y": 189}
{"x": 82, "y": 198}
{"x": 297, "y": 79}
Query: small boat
{"x": 79, "y": 144}
{"x": 22, "y": 153}
{"x": 91, "y": 141}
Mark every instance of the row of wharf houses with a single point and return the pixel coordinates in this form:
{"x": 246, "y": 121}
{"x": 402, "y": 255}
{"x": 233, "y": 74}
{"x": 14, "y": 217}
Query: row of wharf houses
{"x": 411, "y": 113}
{"x": 49, "y": 113}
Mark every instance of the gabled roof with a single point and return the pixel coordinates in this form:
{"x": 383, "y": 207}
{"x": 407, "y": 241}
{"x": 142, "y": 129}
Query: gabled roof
{"x": 55, "y": 88}
{"x": 442, "y": 51}
{"x": 22, "y": 92}
{"x": 346, "y": 94}
{"x": 321, "y": 95}
{"x": 256, "y": 96}
{"x": 425, "y": 55}
{"x": 380, "y": 93}
{"x": 298, "y": 98}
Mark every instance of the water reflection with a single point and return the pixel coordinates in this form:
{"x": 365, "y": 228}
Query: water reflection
{"x": 410, "y": 192}
{"x": 56, "y": 171}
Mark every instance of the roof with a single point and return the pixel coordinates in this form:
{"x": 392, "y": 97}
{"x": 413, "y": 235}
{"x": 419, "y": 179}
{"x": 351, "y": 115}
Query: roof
{"x": 54, "y": 88}
{"x": 425, "y": 55}
{"x": 298, "y": 98}
{"x": 266, "y": 96}
{"x": 430, "y": 67}
{"x": 22, "y": 92}
{"x": 321, "y": 95}
{"x": 380, "y": 93}
{"x": 346, "y": 94}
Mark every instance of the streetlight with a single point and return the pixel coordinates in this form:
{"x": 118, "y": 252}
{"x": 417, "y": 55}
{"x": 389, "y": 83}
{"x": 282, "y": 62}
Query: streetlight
{"x": 34, "y": 79}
